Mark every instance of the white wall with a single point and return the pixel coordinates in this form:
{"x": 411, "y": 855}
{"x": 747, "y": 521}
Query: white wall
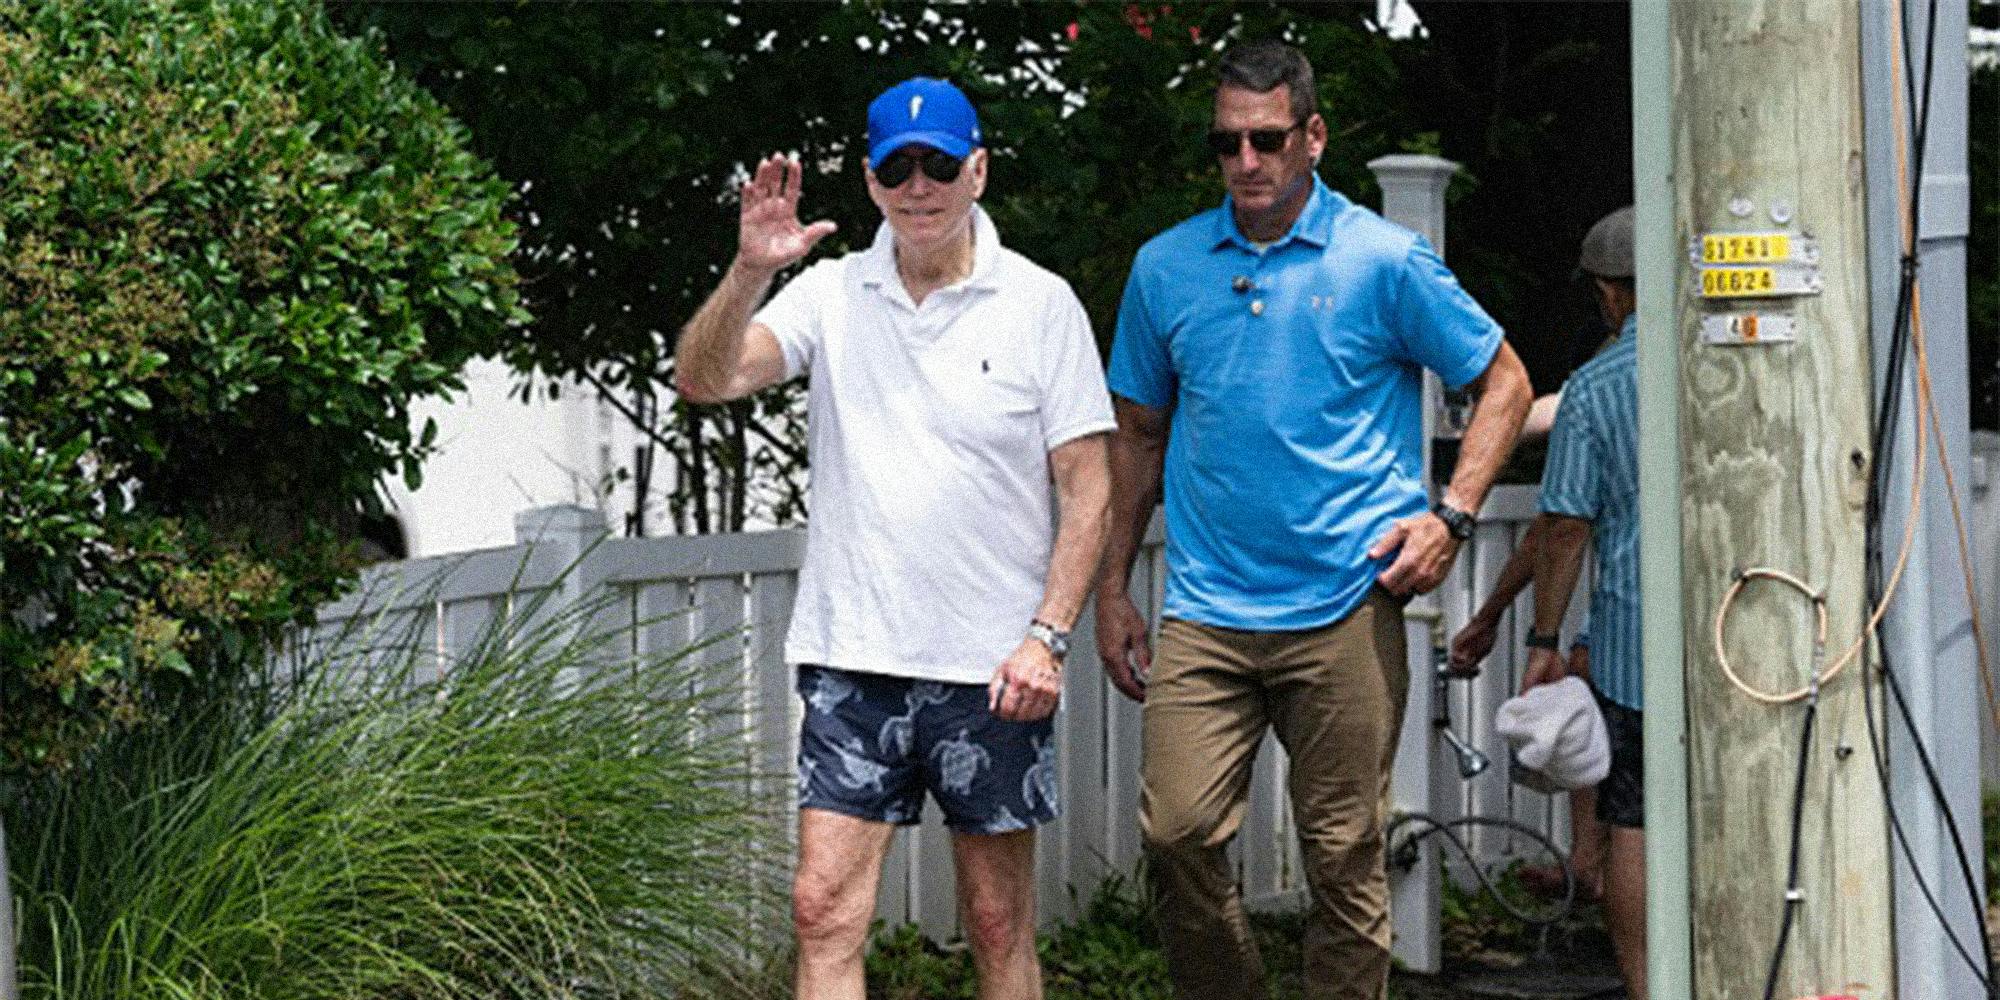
{"x": 497, "y": 455}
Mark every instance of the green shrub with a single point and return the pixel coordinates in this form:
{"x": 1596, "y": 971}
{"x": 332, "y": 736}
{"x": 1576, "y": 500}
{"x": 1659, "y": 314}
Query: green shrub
{"x": 1111, "y": 952}
{"x": 547, "y": 822}
{"x": 233, "y": 245}
{"x": 1989, "y": 824}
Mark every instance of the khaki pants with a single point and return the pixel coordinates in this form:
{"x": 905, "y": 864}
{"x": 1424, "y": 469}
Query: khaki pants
{"x": 1335, "y": 696}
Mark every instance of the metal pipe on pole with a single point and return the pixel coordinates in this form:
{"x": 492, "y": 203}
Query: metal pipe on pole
{"x": 1668, "y": 941}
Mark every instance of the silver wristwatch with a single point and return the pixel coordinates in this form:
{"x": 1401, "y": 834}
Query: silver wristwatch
{"x": 1048, "y": 635}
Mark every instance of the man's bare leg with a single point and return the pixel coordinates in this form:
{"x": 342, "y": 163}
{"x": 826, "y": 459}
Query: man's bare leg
{"x": 833, "y": 901}
{"x": 1587, "y": 839}
{"x": 996, "y": 906}
{"x": 1625, "y": 905}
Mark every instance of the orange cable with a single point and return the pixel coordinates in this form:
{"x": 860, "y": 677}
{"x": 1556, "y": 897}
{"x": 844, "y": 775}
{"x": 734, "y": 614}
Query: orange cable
{"x": 1929, "y": 429}
{"x": 1980, "y": 652}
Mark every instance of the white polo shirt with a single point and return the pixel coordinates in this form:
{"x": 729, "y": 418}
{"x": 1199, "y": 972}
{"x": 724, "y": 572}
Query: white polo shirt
{"x": 932, "y": 507}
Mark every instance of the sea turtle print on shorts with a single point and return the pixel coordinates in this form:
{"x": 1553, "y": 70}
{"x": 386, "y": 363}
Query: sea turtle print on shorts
{"x": 1003, "y": 820}
{"x": 960, "y": 761}
{"x": 872, "y": 746}
{"x": 894, "y": 740}
{"x": 856, "y": 770}
{"x": 1039, "y": 784}
{"x": 829, "y": 689}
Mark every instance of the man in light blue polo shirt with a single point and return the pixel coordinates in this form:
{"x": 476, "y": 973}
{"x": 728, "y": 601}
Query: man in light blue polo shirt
{"x": 1268, "y": 368}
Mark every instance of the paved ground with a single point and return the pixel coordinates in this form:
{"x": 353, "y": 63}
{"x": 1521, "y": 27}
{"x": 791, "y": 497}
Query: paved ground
{"x": 1575, "y": 963}
{"x": 1580, "y": 970}
{"x": 1551, "y": 978}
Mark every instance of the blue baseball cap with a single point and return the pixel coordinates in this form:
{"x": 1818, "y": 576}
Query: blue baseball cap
{"x": 925, "y": 112}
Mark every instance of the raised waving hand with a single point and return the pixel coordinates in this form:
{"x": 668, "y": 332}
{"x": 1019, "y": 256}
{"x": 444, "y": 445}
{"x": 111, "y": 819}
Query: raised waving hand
{"x": 769, "y": 235}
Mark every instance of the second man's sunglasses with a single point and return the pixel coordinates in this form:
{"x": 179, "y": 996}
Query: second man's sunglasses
{"x": 1229, "y": 142}
{"x": 899, "y": 165}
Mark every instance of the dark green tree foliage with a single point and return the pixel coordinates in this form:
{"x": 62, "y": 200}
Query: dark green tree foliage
{"x": 1982, "y": 261}
{"x": 627, "y": 126}
{"x": 233, "y": 244}
{"x": 1083, "y": 187}
{"x": 1535, "y": 100}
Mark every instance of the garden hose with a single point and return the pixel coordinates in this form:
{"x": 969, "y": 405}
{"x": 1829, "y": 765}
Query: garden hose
{"x": 1403, "y": 854}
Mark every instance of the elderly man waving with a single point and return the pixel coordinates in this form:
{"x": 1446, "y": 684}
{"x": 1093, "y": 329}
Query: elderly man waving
{"x": 956, "y": 409}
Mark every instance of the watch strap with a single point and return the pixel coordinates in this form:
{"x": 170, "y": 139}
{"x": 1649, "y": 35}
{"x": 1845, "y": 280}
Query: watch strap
{"x": 1458, "y": 522}
{"x": 1048, "y": 635}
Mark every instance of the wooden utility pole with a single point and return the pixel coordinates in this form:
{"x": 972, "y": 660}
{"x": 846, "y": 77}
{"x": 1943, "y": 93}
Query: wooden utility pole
{"x": 1775, "y": 417}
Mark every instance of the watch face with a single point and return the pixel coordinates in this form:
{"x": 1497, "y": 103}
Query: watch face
{"x": 1058, "y": 642}
{"x": 1458, "y": 522}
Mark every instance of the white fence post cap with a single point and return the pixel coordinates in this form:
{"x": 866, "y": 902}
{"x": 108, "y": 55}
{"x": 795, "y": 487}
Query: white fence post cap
{"x": 1411, "y": 166}
{"x": 560, "y": 519}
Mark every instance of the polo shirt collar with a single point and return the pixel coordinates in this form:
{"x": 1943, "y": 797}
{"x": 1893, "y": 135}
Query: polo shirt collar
{"x": 1313, "y": 226}
{"x": 879, "y": 260}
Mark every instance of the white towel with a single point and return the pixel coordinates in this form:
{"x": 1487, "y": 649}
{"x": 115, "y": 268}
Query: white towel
{"x": 1557, "y": 735}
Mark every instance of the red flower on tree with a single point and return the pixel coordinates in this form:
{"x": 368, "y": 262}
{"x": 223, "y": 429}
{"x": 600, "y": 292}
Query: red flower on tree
{"x": 1141, "y": 22}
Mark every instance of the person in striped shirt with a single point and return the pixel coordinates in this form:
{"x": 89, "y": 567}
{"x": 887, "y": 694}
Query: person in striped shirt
{"x": 1475, "y": 641}
{"x": 1590, "y": 496}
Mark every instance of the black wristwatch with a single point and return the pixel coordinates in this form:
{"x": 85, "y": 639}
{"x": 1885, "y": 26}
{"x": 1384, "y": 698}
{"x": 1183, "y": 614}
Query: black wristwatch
{"x": 1456, "y": 521}
{"x": 1543, "y": 640}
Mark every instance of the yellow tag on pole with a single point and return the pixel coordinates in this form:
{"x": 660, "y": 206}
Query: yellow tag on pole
{"x": 1738, "y": 282}
{"x": 1745, "y": 248}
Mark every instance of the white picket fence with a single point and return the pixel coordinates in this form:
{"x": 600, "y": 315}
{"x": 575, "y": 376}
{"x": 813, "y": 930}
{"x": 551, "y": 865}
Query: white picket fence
{"x": 741, "y": 586}
{"x": 670, "y": 593}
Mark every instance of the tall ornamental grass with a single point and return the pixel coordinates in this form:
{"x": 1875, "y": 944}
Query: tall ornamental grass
{"x": 553, "y": 818}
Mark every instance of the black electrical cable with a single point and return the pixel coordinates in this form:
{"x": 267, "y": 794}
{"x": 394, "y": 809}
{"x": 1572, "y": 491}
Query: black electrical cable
{"x": 1887, "y": 418}
{"x": 1906, "y": 319}
{"x": 1792, "y": 894}
{"x": 1892, "y": 383}
{"x": 1951, "y": 827}
{"x": 1902, "y": 841}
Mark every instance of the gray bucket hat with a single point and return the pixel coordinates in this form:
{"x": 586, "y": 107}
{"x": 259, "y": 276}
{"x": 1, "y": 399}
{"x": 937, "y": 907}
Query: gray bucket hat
{"x": 1607, "y": 248}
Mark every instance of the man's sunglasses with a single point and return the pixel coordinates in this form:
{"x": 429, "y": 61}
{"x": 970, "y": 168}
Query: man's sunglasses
{"x": 1229, "y": 142}
{"x": 898, "y": 166}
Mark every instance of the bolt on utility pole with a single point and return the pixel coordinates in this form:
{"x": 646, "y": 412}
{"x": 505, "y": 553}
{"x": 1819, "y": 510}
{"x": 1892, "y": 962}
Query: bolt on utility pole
{"x": 1772, "y": 306}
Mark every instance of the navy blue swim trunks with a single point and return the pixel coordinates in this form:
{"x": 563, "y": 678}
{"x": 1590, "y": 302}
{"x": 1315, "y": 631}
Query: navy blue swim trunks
{"x": 871, "y": 745}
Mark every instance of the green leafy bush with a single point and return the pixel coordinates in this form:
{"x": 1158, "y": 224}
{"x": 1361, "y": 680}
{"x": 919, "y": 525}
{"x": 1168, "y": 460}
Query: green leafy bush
{"x": 1111, "y": 952}
{"x": 233, "y": 244}
{"x": 1989, "y": 822}
{"x": 549, "y": 821}
{"x": 1982, "y": 249}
